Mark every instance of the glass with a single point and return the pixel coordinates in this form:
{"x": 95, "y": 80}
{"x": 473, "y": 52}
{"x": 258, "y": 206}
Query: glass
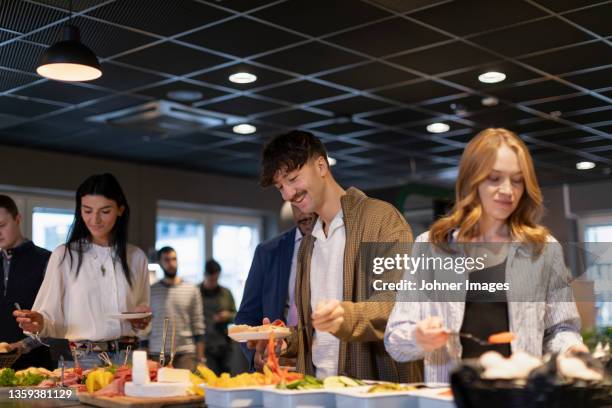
{"x": 187, "y": 238}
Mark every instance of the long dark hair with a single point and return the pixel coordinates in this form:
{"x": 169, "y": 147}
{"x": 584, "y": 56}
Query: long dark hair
{"x": 102, "y": 185}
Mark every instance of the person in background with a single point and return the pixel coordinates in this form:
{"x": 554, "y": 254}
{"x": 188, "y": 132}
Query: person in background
{"x": 219, "y": 311}
{"x": 94, "y": 276}
{"x": 499, "y": 202}
{"x": 181, "y": 302}
{"x": 22, "y": 269}
{"x": 270, "y": 287}
{"x": 341, "y": 320}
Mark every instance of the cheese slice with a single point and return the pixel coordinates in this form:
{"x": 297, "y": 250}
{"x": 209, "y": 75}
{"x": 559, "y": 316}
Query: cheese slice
{"x": 173, "y": 375}
{"x": 156, "y": 390}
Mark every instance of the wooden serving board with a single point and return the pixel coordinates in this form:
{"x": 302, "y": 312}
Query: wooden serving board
{"x": 133, "y": 402}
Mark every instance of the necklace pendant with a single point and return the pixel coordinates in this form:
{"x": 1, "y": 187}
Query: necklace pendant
{"x": 103, "y": 269}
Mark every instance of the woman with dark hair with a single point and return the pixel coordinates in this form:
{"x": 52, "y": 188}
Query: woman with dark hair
{"x": 94, "y": 275}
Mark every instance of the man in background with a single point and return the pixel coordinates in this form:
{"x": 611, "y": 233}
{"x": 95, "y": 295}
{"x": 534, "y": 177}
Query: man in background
{"x": 270, "y": 287}
{"x": 22, "y": 269}
{"x": 181, "y": 302}
{"x": 219, "y": 311}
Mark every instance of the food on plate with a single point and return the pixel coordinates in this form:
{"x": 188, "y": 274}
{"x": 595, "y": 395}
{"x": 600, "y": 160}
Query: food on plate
{"x": 311, "y": 383}
{"x": 173, "y": 375}
{"x": 276, "y": 325}
{"x": 340, "y": 381}
{"x": 121, "y": 376}
{"x": 392, "y": 387}
{"x": 502, "y": 338}
{"x": 207, "y": 374}
{"x": 306, "y": 383}
{"x": 36, "y": 370}
{"x": 156, "y": 389}
{"x": 98, "y": 379}
{"x": 272, "y": 373}
{"x": 575, "y": 368}
{"x": 196, "y": 382}
{"x": 241, "y": 380}
{"x": 517, "y": 366}
{"x": 5, "y": 347}
{"x": 23, "y": 378}
{"x": 446, "y": 393}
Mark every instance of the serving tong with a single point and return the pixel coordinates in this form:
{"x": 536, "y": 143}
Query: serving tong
{"x": 128, "y": 349}
{"x": 172, "y": 348}
{"x": 162, "y": 353}
{"x": 105, "y": 358}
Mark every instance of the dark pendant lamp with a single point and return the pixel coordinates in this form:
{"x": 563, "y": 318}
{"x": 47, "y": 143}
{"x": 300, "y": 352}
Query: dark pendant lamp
{"x": 69, "y": 59}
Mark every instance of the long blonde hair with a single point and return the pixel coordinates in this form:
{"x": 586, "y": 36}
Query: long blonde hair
{"x": 476, "y": 164}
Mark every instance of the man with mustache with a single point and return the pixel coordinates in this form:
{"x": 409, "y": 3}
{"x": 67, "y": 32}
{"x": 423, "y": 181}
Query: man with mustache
{"x": 341, "y": 322}
{"x": 270, "y": 287}
{"x": 181, "y": 302}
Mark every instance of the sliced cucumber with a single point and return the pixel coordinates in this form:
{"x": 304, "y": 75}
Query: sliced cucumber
{"x": 349, "y": 382}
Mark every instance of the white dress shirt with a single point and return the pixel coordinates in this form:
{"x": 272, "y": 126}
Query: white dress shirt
{"x": 326, "y": 280}
{"x": 77, "y": 308}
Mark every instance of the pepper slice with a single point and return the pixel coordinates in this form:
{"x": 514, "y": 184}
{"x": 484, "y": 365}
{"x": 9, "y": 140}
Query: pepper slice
{"x": 501, "y": 338}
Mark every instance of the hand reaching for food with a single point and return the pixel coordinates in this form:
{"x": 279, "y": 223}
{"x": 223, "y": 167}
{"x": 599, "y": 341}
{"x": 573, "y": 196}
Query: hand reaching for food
{"x": 431, "y": 334}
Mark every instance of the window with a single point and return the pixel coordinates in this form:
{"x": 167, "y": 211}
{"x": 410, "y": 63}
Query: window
{"x": 200, "y": 235}
{"x": 234, "y": 243}
{"x": 50, "y": 226}
{"x": 597, "y": 235}
{"x": 186, "y": 236}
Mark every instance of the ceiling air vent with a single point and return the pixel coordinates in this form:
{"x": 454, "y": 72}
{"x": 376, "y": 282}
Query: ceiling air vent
{"x": 164, "y": 117}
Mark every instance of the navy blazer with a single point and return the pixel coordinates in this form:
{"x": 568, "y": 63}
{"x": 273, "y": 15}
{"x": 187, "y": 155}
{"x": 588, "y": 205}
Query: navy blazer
{"x": 266, "y": 288}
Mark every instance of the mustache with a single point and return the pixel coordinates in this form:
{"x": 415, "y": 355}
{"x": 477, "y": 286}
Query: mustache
{"x": 297, "y": 196}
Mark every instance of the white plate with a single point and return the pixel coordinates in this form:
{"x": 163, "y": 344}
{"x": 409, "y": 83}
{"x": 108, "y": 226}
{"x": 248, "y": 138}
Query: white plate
{"x": 129, "y": 316}
{"x": 241, "y": 337}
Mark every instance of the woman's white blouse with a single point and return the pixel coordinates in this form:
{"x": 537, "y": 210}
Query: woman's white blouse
{"x": 77, "y": 308}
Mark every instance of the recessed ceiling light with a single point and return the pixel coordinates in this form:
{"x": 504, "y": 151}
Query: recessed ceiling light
{"x": 585, "y": 165}
{"x": 242, "y": 78}
{"x": 438, "y": 127}
{"x": 244, "y": 129}
{"x": 331, "y": 161}
{"x": 185, "y": 95}
{"x": 491, "y": 77}
{"x": 490, "y": 101}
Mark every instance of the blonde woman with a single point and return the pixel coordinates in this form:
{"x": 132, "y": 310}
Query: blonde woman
{"x": 497, "y": 208}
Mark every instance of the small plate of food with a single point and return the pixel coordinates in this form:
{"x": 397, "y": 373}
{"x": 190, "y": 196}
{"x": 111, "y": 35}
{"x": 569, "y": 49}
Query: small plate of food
{"x": 129, "y": 315}
{"x": 243, "y": 332}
